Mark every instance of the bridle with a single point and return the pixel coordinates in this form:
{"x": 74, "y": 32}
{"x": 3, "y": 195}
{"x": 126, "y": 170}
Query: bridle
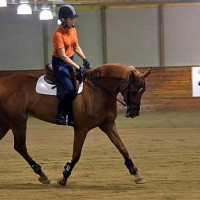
{"x": 129, "y": 91}
{"x": 106, "y": 91}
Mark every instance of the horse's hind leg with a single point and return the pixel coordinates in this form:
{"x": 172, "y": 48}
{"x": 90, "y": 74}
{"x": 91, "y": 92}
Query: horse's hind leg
{"x": 111, "y": 132}
{"x": 19, "y": 132}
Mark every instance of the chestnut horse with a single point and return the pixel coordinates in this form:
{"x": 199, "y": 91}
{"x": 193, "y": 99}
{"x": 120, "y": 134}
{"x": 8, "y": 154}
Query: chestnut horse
{"x": 96, "y": 106}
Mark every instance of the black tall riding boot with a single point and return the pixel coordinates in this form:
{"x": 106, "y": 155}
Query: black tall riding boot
{"x": 61, "y": 114}
{"x": 65, "y": 108}
{"x": 70, "y": 119}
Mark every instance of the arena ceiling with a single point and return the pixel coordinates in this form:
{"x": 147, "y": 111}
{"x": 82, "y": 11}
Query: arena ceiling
{"x": 104, "y": 2}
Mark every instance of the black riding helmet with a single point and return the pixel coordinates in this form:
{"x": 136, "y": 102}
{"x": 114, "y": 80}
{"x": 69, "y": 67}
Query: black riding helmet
{"x": 66, "y": 11}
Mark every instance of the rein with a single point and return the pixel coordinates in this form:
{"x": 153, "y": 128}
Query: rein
{"x": 107, "y": 92}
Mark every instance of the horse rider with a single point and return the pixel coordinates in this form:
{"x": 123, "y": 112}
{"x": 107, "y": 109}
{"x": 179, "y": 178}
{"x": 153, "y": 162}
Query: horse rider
{"x": 65, "y": 45}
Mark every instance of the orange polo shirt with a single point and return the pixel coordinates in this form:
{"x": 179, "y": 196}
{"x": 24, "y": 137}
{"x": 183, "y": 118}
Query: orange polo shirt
{"x": 64, "y": 38}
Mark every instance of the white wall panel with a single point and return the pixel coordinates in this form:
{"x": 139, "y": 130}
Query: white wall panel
{"x": 182, "y": 36}
{"x": 133, "y": 37}
{"x": 21, "y": 42}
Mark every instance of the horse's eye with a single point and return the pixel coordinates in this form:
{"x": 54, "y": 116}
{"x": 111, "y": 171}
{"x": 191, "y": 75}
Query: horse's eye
{"x": 141, "y": 88}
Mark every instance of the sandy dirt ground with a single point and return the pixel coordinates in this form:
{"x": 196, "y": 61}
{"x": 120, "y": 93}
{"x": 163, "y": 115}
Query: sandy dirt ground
{"x": 165, "y": 146}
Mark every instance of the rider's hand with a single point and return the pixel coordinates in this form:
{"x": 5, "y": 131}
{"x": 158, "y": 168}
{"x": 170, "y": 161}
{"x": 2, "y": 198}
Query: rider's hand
{"x": 86, "y": 63}
{"x": 82, "y": 70}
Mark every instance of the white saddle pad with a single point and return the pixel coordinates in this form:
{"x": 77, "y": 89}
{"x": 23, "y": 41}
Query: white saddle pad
{"x": 42, "y": 87}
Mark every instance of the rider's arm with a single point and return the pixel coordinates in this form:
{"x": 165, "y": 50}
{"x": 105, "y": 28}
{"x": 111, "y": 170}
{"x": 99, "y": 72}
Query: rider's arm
{"x": 67, "y": 59}
{"x": 79, "y": 51}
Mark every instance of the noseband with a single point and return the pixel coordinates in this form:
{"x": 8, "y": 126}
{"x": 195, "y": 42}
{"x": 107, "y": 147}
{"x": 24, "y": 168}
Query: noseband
{"x": 127, "y": 100}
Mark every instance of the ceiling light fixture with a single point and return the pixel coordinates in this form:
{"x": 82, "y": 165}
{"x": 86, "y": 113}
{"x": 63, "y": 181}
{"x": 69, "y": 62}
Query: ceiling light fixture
{"x": 3, "y": 3}
{"x": 46, "y": 13}
{"x": 24, "y": 8}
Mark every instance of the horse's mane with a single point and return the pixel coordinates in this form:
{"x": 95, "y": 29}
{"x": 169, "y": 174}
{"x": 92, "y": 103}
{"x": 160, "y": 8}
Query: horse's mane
{"x": 113, "y": 70}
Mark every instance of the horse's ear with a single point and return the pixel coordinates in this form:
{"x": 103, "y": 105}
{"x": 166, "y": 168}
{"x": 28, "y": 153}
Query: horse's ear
{"x": 147, "y": 72}
{"x": 131, "y": 76}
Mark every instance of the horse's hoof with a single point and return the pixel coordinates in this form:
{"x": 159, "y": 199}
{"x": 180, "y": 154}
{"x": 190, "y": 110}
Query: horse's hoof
{"x": 44, "y": 180}
{"x": 139, "y": 180}
{"x": 62, "y": 182}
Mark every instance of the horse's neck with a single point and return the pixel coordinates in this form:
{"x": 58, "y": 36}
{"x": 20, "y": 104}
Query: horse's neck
{"x": 108, "y": 85}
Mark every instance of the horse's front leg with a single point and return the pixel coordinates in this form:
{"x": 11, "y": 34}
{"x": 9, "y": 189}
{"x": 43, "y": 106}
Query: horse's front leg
{"x": 79, "y": 138}
{"x": 111, "y": 132}
{"x": 19, "y": 132}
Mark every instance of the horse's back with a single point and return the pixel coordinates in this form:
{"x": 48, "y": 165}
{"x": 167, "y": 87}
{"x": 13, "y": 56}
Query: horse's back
{"x": 15, "y": 90}
{"x": 17, "y": 80}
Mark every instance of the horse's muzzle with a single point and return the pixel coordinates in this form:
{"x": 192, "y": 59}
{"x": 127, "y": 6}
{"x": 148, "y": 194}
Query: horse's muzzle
{"x": 131, "y": 113}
